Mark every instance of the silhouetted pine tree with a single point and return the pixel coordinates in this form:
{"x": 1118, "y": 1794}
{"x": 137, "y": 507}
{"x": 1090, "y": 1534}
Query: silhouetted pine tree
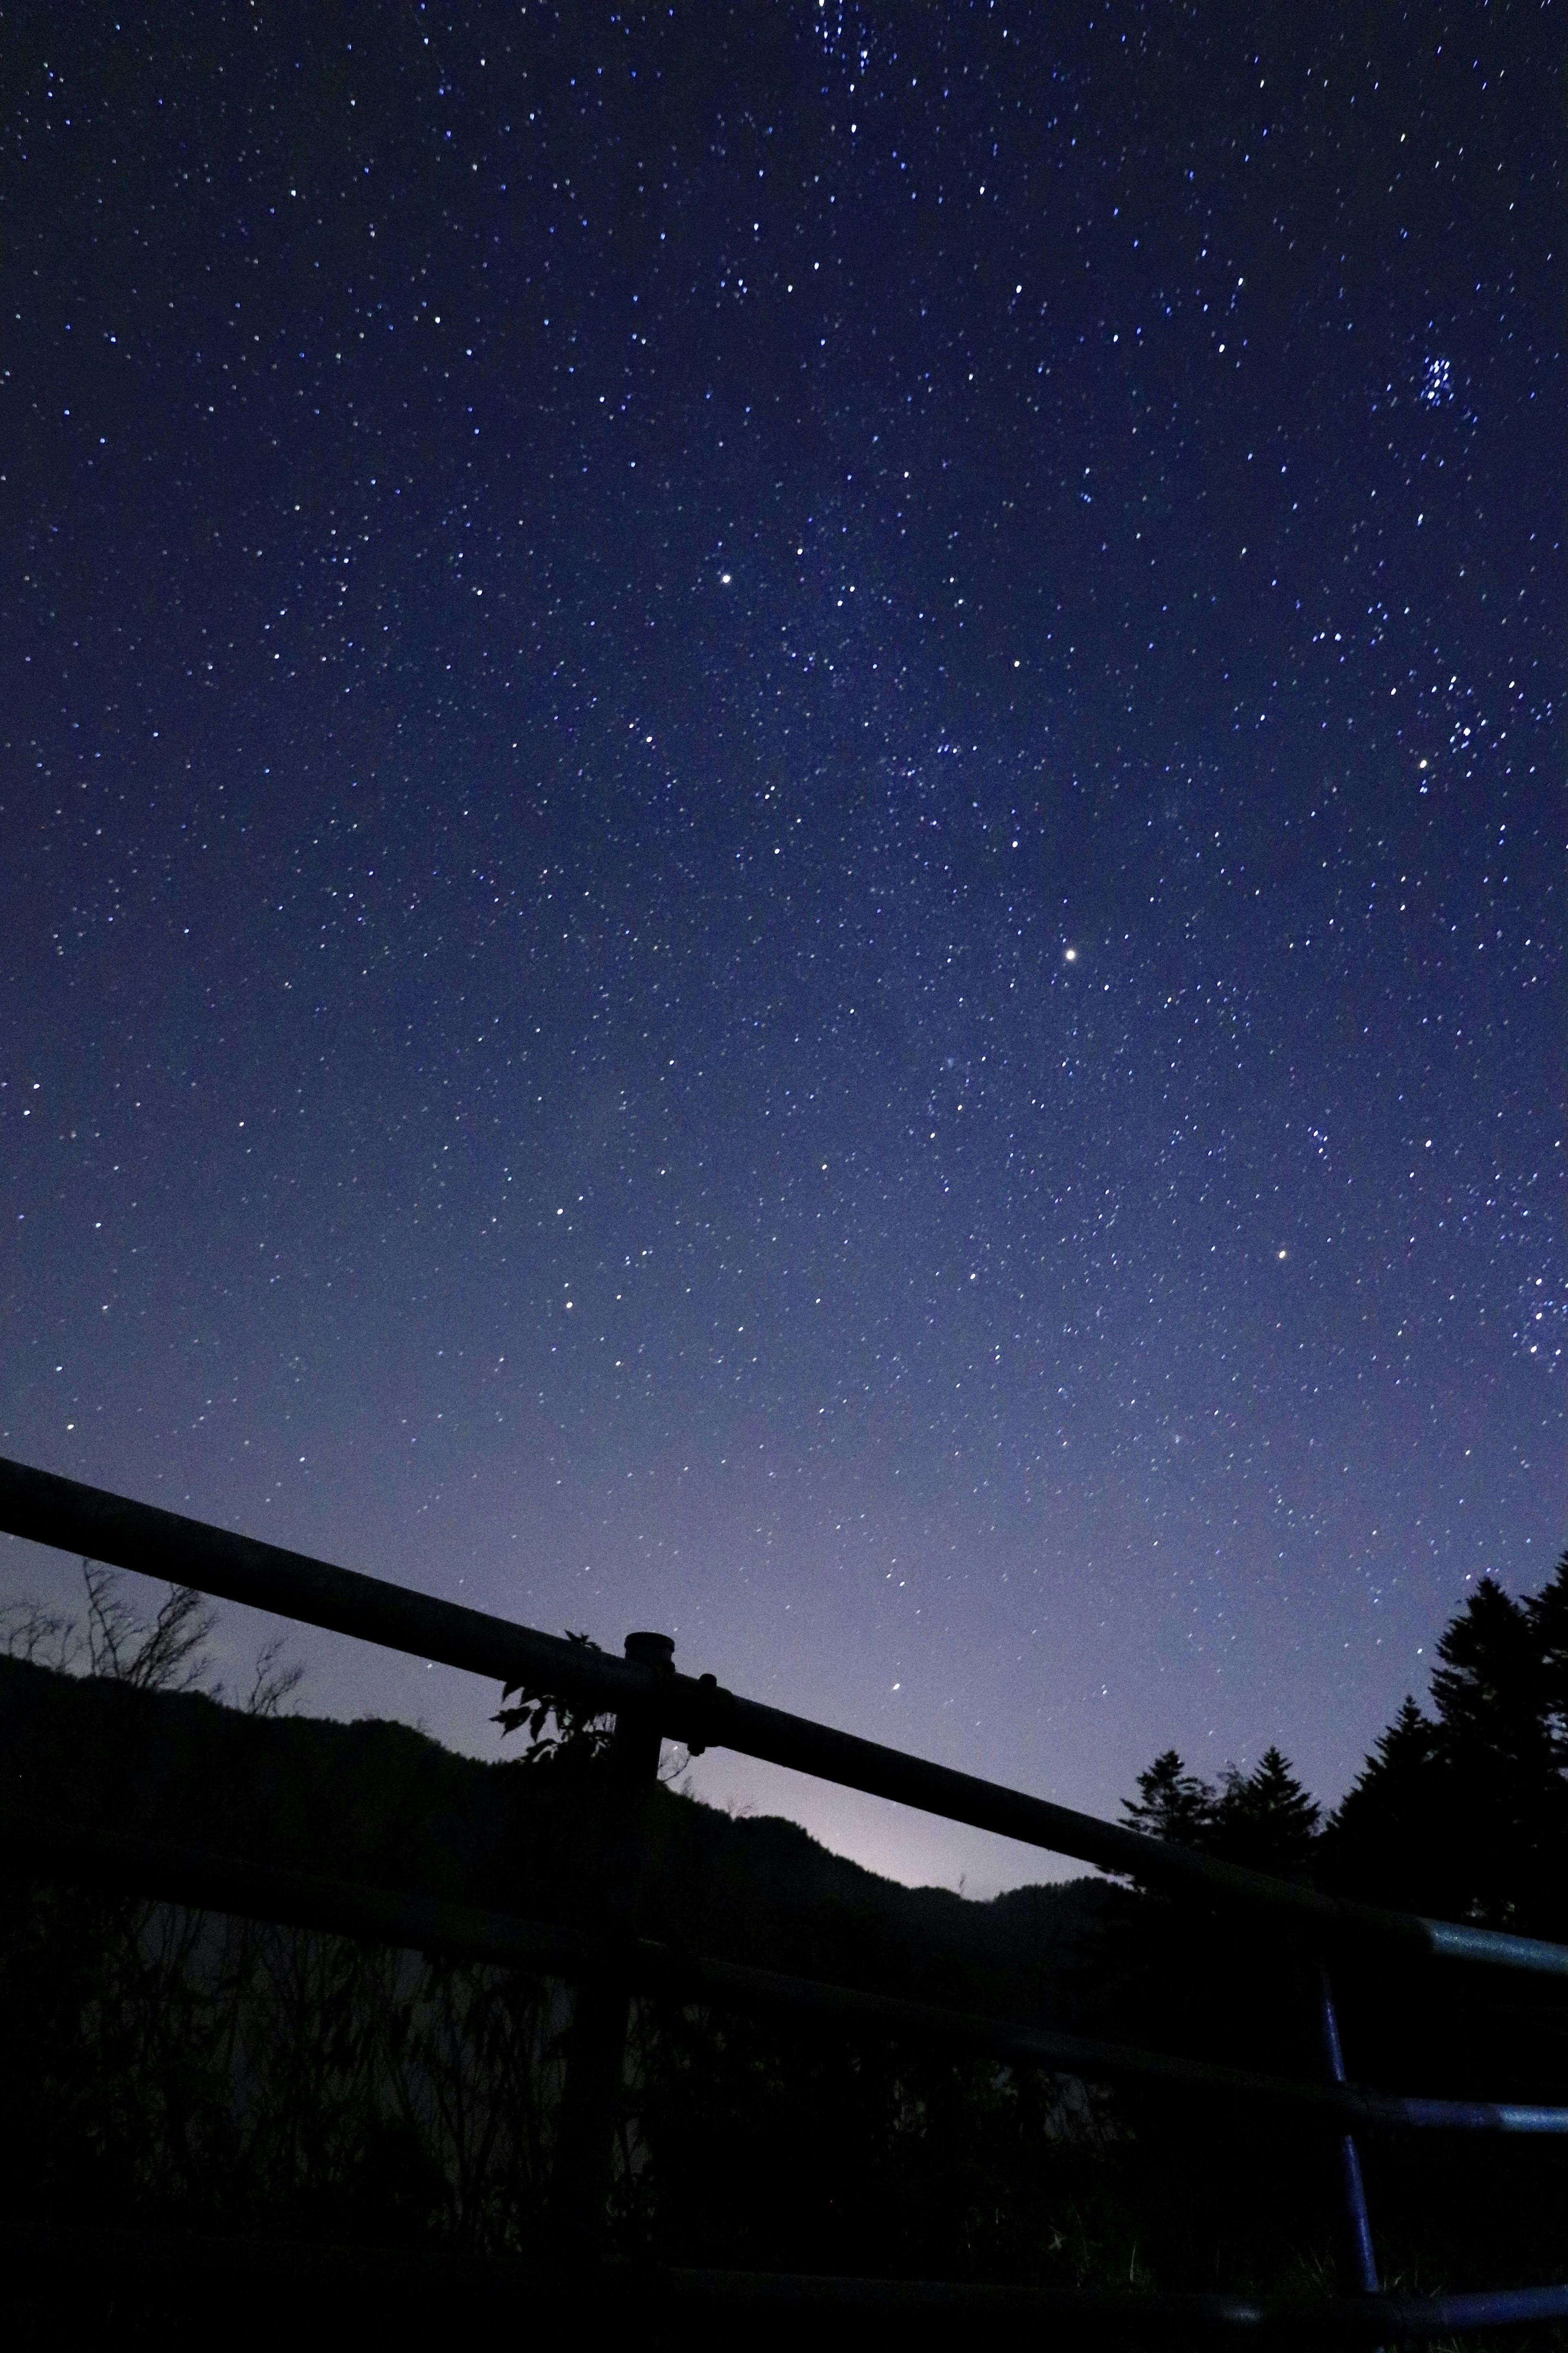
{"x": 1264, "y": 1817}
{"x": 1465, "y": 1811}
{"x": 1386, "y": 1839}
{"x": 1549, "y": 1613}
{"x": 1172, "y": 1803}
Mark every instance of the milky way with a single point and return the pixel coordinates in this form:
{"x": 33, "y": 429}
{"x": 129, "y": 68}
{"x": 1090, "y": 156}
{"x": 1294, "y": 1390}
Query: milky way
{"x": 782, "y": 796}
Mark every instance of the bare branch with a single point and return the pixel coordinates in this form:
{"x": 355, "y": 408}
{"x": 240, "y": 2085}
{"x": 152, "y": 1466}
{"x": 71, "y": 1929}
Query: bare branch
{"x": 275, "y": 1682}
{"x": 43, "y": 1637}
{"x": 168, "y": 1655}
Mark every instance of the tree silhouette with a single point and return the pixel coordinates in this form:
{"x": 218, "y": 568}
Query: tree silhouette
{"x": 1264, "y": 1817}
{"x": 1172, "y": 1803}
{"x": 1465, "y": 1811}
{"x": 1460, "y": 1811}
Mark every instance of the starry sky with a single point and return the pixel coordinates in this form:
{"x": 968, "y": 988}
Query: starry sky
{"x": 781, "y": 799}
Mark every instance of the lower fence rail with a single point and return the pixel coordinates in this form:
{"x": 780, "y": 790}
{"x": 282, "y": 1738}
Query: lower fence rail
{"x": 164, "y": 1873}
{"x": 70, "y": 2267}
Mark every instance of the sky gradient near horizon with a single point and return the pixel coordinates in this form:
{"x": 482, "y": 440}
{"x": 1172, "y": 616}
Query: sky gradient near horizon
{"x": 782, "y": 796}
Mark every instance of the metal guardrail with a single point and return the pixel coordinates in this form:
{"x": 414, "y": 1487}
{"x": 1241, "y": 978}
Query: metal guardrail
{"x": 71, "y": 1517}
{"x": 166, "y": 1872}
{"x": 651, "y": 1701}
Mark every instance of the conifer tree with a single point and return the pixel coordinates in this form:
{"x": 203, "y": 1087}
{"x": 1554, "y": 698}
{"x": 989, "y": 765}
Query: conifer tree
{"x": 1264, "y": 1818}
{"x": 1172, "y": 1803}
{"x": 1464, "y": 1812}
{"x": 1549, "y": 1619}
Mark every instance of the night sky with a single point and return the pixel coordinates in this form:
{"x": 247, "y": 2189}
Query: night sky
{"x": 782, "y": 809}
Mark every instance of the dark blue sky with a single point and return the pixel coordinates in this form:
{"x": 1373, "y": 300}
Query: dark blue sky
{"x": 783, "y": 842}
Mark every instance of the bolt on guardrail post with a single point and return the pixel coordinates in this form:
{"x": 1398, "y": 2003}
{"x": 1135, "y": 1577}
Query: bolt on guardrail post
{"x": 1353, "y": 2190}
{"x": 596, "y": 2041}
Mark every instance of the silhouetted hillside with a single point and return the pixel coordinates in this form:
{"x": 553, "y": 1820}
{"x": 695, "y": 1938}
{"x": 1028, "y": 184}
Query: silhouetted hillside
{"x": 380, "y": 1802}
{"x": 217, "y": 2074}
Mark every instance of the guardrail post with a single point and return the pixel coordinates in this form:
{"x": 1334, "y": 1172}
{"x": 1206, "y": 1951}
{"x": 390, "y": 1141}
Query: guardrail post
{"x": 1353, "y": 2190}
{"x": 597, "y": 2042}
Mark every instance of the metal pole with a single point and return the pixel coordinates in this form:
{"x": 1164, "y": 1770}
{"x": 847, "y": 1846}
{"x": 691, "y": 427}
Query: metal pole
{"x": 1353, "y": 2190}
{"x": 596, "y": 2044}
